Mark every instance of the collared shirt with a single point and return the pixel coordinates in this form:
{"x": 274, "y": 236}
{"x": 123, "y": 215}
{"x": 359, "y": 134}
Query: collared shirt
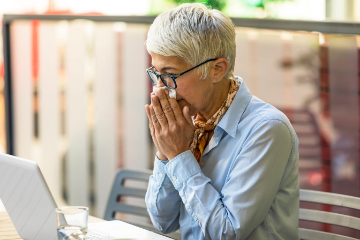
{"x": 246, "y": 186}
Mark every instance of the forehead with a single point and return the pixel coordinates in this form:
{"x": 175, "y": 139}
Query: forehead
{"x": 162, "y": 62}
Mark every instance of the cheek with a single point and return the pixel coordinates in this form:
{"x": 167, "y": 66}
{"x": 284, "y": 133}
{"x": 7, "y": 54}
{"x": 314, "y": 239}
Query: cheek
{"x": 193, "y": 104}
{"x": 193, "y": 95}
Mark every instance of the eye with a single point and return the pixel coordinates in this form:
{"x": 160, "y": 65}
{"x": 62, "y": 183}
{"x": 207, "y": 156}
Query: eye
{"x": 172, "y": 74}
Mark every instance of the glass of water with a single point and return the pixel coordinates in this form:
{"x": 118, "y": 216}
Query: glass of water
{"x": 72, "y": 222}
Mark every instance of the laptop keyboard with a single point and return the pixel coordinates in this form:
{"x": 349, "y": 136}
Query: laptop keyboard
{"x": 93, "y": 235}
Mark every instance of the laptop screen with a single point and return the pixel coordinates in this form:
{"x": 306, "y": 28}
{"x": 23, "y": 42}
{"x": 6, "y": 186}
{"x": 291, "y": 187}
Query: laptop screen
{"x": 27, "y": 198}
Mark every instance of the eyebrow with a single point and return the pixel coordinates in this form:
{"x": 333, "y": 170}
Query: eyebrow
{"x": 164, "y": 69}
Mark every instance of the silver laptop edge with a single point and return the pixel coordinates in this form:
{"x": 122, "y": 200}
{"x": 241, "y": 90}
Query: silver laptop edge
{"x": 27, "y": 198}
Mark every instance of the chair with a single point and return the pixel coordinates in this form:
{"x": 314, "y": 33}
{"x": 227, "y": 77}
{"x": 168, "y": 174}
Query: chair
{"x": 327, "y": 217}
{"x": 120, "y": 190}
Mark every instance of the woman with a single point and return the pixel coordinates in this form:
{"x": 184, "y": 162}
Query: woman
{"x": 236, "y": 175}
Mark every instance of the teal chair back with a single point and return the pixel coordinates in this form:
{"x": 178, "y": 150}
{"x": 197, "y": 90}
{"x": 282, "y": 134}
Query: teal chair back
{"x": 119, "y": 190}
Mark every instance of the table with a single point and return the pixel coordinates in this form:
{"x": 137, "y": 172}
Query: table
{"x": 8, "y": 231}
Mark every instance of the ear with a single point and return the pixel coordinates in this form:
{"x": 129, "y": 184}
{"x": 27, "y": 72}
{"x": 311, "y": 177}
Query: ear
{"x": 220, "y": 67}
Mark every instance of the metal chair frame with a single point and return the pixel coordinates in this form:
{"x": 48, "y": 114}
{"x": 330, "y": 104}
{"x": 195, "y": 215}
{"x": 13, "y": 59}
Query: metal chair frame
{"x": 120, "y": 190}
{"x": 327, "y": 217}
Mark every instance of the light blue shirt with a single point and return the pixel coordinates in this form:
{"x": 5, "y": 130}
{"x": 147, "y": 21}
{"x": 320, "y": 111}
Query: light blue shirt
{"x": 246, "y": 187}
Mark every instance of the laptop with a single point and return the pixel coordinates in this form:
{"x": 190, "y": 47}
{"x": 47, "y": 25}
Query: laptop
{"x": 31, "y": 207}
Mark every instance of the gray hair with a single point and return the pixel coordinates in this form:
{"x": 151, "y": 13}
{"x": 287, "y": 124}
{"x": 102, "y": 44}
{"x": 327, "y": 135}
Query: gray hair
{"x": 194, "y": 33}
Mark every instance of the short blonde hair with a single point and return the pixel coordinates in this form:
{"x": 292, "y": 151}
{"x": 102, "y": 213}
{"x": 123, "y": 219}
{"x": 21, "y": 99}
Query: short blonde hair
{"x": 194, "y": 33}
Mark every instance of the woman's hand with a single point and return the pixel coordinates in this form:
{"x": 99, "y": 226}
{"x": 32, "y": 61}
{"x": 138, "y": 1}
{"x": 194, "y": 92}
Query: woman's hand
{"x": 172, "y": 130}
{"x": 160, "y": 154}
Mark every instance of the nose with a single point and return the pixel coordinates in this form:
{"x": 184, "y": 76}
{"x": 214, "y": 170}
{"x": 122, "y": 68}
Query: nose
{"x": 160, "y": 83}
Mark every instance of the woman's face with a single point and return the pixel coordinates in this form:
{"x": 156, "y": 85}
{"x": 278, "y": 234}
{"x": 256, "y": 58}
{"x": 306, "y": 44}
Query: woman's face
{"x": 191, "y": 91}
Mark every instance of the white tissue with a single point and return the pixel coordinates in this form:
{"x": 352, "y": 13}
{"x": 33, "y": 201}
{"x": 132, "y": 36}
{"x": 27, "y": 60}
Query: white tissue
{"x": 172, "y": 92}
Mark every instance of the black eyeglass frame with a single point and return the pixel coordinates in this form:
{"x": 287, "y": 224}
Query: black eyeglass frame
{"x": 148, "y": 71}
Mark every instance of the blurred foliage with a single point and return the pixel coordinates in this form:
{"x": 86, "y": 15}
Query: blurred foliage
{"x": 220, "y": 4}
{"x": 234, "y": 8}
{"x": 215, "y": 4}
{"x": 262, "y": 3}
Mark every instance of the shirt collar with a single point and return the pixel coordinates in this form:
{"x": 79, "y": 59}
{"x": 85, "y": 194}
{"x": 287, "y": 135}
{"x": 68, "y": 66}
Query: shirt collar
{"x": 233, "y": 115}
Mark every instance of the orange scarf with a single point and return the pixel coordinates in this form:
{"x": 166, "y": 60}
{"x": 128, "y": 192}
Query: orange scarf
{"x": 203, "y": 129}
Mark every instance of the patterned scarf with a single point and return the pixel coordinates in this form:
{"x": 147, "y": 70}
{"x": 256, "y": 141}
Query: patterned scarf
{"x": 203, "y": 129}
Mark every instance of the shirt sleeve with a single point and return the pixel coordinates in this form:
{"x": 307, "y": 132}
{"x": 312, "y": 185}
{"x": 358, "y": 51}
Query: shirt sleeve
{"x": 162, "y": 200}
{"x": 250, "y": 187}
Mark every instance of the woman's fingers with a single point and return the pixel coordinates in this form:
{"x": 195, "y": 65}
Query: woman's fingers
{"x": 147, "y": 109}
{"x": 154, "y": 120}
{"x": 165, "y": 105}
{"x": 186, "y": 113}
{"x": 175, "y": 107}
{"x": 158, "y": 113}
{"x": 152, "y": 133}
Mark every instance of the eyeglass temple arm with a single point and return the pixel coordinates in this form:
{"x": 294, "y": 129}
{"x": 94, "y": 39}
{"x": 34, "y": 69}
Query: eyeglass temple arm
{"x": 196, "y": 66}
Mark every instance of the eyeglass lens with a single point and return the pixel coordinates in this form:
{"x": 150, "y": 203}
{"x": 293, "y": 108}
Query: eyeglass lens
{"x": 168, "y": 81}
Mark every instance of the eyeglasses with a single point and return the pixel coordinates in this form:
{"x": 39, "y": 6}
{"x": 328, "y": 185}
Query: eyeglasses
{"x": 167, "y": 79}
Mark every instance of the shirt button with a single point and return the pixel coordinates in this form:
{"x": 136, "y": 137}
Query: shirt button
{"x": 174, "y": 178}
{"x": 154, "y": 194}
{"x": 160, "y": 175}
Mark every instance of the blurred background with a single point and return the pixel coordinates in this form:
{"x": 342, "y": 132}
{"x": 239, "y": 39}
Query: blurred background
{"x": 79, "y": 88}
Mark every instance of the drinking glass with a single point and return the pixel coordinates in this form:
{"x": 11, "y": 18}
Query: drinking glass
{"x": 72, "y": 222}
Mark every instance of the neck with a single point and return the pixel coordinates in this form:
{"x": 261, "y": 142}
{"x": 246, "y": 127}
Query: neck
{"x": 218, "y": 97}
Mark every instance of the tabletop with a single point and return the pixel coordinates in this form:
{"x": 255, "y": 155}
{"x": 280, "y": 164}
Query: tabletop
{"x": 8, "y": 231}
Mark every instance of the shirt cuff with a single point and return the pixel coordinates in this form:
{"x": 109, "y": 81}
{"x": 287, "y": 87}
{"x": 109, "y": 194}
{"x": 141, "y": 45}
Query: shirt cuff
{"x": 159, "y": 170}
{"x": 163, "y": 161}
{"x": 181, "y": 168}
